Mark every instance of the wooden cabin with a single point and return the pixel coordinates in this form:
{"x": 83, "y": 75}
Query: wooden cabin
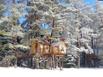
{"x": 53, "y": 54}
{"x": 33, "y": 48}
{"x": 59, "y": 48}
{"x": 46, "y": 49}
{"x": 39, "y": 47}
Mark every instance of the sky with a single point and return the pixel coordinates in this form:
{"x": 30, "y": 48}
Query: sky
{"x": 92, "y": 2}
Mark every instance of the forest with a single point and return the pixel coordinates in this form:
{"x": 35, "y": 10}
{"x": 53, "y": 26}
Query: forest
{"x": 50, "y": 34}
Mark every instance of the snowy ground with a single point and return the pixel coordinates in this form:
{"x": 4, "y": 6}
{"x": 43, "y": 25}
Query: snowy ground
{"x": 26, "y": 72}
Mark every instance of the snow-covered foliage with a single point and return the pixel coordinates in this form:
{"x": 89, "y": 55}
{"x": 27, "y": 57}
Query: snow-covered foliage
{"x": 76, "y": 24}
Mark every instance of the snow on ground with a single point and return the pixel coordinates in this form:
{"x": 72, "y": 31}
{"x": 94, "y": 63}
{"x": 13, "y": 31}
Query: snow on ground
{"x": 71, "y": 72}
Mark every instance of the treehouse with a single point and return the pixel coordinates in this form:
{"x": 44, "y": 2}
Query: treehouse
{"x": 59, "y": 48}
{"x": 39, "y": 47}
{"x": 47, "y": 49}
{"x": 51, "y": 54}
